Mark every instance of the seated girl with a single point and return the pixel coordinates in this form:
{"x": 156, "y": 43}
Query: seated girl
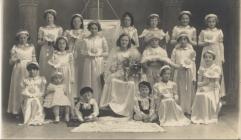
{"x": 207, "y": 103}
{"x": 169, "y": 112}
{"x": 86, "y": 108}
{"x": 33, "y": 90}
{"x": 144, "y": 108}
{"x": 119, "y": 89}
{"x": 154, "y": 57}
{"x": 57, "y": 97}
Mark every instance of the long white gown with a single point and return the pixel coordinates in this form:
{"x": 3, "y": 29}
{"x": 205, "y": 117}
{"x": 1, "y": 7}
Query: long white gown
{"x": 18, "y": 74}
{"x": 206, "y": 103}
{"x": 169, "y": 112}
{"x": 32, "y": 106}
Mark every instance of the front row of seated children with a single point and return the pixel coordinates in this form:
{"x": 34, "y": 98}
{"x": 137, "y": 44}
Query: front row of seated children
{"x": 161, "y": 104}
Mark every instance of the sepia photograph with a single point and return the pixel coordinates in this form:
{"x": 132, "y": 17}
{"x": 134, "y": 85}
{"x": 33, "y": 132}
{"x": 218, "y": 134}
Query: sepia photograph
{"x": 120, "y": 69}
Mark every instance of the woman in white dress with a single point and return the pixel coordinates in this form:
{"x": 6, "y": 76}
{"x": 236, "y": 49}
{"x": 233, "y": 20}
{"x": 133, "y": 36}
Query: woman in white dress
{"x": 95, "y": 50}
{"x": 75, "y": 36}
{"x": 21, "y": 54}
{"x": 165, "y": 92}
{"x": 127, "y": 26}
{"x": 207, "y": 103}
{"x": 47, "y": 36}
{"x": 33, "y": 89}
{"x": 184, "y": 18}
{"x": 118, "y": 92}
{"x": 211, "y": 38}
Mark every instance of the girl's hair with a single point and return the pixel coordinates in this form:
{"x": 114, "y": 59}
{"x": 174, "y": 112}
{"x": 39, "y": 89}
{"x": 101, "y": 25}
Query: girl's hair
{"x": 17, "y": 36}
{"x": 131, "y": 41}
{"x": 84, "y": 90}
{"x": 72, "y": 19}
{"x": 209, "y": 52}
{"x": 56, "y": 76}
{"x": 94, "y": 23}
{"x": 178, "y": 39}
{"x": 32, "y": 66}
{"x": 151, "y": 17}
{"x": 49, "y": 12}
{"x": 56, "y": 47}
{"x": 164, "y": 70}
{"x": 129, "y": 15}
{"x": 188, "y": 13}
{"x": 145, "y": 83}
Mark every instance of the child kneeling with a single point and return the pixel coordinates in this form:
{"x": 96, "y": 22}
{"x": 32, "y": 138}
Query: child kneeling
{"x": 144, "y": 109}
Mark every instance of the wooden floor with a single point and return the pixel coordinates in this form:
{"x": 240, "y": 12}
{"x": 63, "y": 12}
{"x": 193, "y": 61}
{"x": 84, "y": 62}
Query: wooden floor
{"x": 225, "y": 129}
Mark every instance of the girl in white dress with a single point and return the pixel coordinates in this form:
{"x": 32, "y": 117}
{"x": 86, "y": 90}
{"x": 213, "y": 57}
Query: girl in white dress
{"x": 47, "y": 36}
{"x": 185, "y": 77}
{"x": 127, "y": 26}
{"x": 184, "y": 18}
{"x": 165, "y": 92}
{"x": 21, "y": 54}
{"x": 207, "y": 103}
{"x": 95, "y": 50}
{"x": 144, "y": 108}
{"x": 211, "y": 38}
{"x": 75, "y": 36}
{"x": 62, "y": 61}
{"x": 154, "y": 57}
{"x": 153, "y": 23}
{"x": 33, "y": 89}
{"x": 56, "y": 96}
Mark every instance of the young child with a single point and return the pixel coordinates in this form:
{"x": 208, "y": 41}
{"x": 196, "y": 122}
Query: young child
{"x": 184, "y": 19}
{"x": 169, "y": 112}
{"x": 154, "y": 57}
{"x": 62, "y": 61}
{"x": 47, "y": 36}
{"x": 144, "y": 108}
{"x": 153, "y": 23}
{"x": 127, "y": 27}
{"x": 87, "y": 108}
{"x": 211, "y": 38}
{"x": 207, "y": 103}
{"x": 185, "y": 77}
{"x": 21, "y": 54}
{"x": 33, "y": 89}
{"x": 95, "y": 50}
{"x": 56, "y": 96}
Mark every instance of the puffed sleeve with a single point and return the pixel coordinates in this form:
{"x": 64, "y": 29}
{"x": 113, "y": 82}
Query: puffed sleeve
{"x": 174, "y": 33}
{"x": 194, "y": 34}
{"x": 13, "y": 55}
{"x": 135, "y": 37}
{"x": 40, "y": 34}
{"x": 144, "y": 33}
{"x": 220, "y": 39}
{"x": 201, "y": 38}
{"x": 105, "y": 47}
{"x": 33, "y": 54}
{"x": 60, "y": 32}
{"x": 173, "y": 55}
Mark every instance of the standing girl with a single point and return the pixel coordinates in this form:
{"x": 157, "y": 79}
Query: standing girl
{"x": 211, "y": 38}
{"x": 184, "y": 55}
{"x": 75, "y": 38}
{"x": 206, "y": 104}
{"x": 127, "y": 26}
{"x": 21, "y": 54}
{"x": 184, "y": 18}
{"x": 56, "y": 96}
{"x": 47, "y": 36}
{"x": 33, "y": 91}
{"x": 153, "y": 23}
{"x": 169, "y": 112}
{"x": 95, "y": 49}
{"x": 62, "y": 61}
